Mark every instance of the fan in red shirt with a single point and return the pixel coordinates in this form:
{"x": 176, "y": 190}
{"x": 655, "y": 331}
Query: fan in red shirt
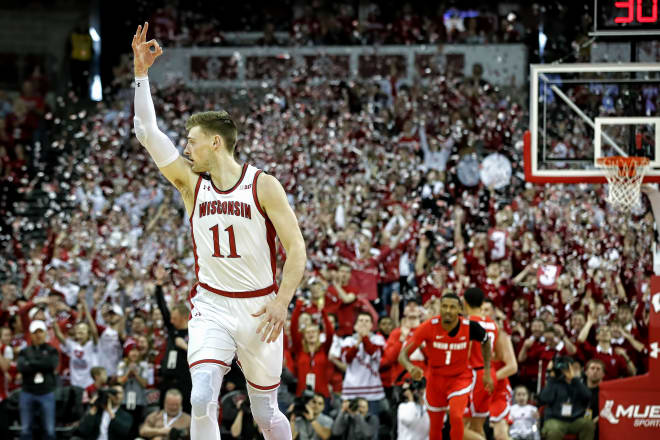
{"x": 344, "y": 301}
{"x": 449, "y": 379}
{"x": 617, "y": 363}
{"x": 311, "y": 356}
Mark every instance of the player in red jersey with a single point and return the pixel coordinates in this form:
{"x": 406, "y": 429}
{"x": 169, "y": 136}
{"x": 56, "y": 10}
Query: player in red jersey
{"x": 479, "y": 404}
{"x": 449, "y": 380}
{"x": 505, "y": 365}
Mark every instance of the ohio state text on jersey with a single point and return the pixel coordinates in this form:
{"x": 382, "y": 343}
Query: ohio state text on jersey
{"x": 233, "y": 239}
{"x": 446, "y": 351}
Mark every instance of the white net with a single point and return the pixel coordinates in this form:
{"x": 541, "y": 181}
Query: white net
{"x": 624, "y": 176}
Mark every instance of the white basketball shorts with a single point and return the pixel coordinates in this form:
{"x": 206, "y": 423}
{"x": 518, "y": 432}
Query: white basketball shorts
{"x": 221, "y": 328}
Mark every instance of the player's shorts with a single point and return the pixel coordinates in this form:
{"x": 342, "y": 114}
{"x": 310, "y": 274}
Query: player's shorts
{"x": 500, "y": 403}
{"x": 440, "y": 389}
{"x": 221, "y": 328}
{"x": 480, "y": 399}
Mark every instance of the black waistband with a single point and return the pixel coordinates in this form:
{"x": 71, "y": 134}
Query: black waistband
{"x": 478, "y": 368}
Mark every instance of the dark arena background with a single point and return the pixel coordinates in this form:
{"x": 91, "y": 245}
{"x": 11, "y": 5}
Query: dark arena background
{"x": 426, "y": 148}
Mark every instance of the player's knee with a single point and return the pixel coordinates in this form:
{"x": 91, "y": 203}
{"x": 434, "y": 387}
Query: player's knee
{"x": 205, "y": 390}
{"x": 201, "y": 394}
{"x": 264, "y": 408}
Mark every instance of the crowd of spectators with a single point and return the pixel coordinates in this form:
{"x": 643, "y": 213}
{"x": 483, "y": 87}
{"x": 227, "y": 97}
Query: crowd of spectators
{"x": 391, "y": 221}
{"x": 365, "y": 23}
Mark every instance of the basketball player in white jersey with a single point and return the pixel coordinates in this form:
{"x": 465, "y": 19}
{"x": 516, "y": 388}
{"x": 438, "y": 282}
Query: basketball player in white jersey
{"x": 235, "y": 212}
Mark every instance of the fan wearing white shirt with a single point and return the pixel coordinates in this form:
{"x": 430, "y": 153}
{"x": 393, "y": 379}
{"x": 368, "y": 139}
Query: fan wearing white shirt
{"x": 81, "y": 349}
{"x": 525, "y": 417}
{"x": 413, "y": 421}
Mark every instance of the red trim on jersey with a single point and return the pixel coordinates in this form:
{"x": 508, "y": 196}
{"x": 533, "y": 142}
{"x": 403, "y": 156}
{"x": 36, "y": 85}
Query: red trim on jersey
{"x": 270, "y": 229}
{"x": 199, "y": 183}
{"x": 259, "y": 387}
{"x": 254, "y": 194}
{"x": 208, "y": 361}
{"x": 192, "y": 228}
{"x": 240, "y": 179}
{"x": 191, "y": 295}
{"x": 246, "y": 294}
{"x": 270, "y": 238}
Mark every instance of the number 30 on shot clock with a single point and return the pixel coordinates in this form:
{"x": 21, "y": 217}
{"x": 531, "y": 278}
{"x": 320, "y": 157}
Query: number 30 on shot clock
{"x": 636, "y": 11}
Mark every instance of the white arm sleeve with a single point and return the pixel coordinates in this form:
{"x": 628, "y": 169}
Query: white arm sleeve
{"x": 159, "y": 146}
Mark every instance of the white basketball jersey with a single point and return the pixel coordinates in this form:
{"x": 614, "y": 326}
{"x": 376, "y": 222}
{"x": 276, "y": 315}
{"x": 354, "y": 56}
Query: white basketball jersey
{"x": 233, "y": 239}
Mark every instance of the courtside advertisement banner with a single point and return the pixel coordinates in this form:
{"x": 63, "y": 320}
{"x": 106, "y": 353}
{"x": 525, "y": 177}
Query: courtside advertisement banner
{"x": 630, "y": 408}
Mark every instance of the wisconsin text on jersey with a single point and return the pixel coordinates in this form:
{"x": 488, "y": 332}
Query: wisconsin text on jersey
{"x": 231, "y": 207}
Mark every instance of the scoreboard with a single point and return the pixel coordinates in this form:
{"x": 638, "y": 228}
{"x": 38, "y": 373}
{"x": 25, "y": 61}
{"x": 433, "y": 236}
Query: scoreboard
{"x": 626, "y": 18}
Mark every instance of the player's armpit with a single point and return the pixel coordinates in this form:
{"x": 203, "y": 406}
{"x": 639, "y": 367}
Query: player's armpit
{"x": 180, "y": 174}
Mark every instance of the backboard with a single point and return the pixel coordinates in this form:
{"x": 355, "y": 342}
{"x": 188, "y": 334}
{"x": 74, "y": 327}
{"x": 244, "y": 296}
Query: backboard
{"x": 581, "y": 112}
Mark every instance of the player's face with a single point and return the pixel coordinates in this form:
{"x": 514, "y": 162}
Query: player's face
{"x": 487, "y": 310}
{"x": 449, "y": 310}
{"x": 198, "y": 148}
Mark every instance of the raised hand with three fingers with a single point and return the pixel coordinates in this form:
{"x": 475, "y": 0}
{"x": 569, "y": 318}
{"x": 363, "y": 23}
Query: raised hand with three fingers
{"x": 143, "y": 55}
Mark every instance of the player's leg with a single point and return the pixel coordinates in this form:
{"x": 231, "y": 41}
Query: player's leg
{"x": 274, "y": 425}
{"x": 435, "y": 401}
{"x": 207, "y": 381}
{"x": 437, "y": 419}
{"x": 211, "y": 349}
{"x": 261, "y": 363}
{"x": 458, "y": 392}
{"x": 479, "y": 404}
{"x": 499, "y": 410}
{"x": 457, "y": 407}
{"x": 500, "y": 430}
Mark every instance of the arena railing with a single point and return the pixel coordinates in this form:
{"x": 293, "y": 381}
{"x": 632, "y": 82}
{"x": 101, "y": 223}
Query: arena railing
{"x": 249, "y": 67}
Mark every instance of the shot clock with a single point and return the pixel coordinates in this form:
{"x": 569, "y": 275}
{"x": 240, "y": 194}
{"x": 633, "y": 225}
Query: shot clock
{"x": 626, "y": 18}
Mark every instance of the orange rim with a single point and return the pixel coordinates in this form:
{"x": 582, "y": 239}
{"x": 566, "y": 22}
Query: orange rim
{"x": 627, "y": 165}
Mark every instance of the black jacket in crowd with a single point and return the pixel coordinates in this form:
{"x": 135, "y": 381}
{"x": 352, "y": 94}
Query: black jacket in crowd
{"x": 118, "y": 429}
{"x": 558, "y": 392}
{"x": 35, "y": 359}
{"x": 181, "y": 373}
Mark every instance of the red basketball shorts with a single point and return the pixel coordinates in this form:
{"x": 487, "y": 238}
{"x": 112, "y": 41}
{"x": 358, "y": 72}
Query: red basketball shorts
{"x": 440, "y": 389}
{"x": 500, "y": 403}
{"x": 480, "y": 399}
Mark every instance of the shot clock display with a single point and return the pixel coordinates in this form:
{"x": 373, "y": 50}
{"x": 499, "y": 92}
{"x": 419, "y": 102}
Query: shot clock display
{"x": 627, "y": 17}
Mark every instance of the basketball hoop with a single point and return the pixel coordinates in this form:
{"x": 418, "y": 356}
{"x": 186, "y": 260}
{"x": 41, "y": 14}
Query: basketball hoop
{"x": 624, "y": 176}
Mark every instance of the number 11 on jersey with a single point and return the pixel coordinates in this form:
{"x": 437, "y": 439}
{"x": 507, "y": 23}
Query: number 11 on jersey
{"x": 216, "y": 242}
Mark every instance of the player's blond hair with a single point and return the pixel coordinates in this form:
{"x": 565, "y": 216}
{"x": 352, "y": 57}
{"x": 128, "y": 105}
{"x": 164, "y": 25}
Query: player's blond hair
{"x": 216, "y": 122}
